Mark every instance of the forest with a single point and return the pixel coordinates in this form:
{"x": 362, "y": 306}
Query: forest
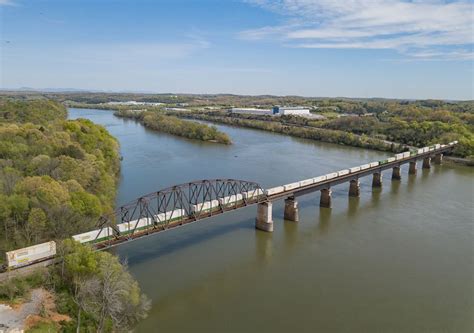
{"x": 176, "y": 126}
{"x": 57, "y": 176}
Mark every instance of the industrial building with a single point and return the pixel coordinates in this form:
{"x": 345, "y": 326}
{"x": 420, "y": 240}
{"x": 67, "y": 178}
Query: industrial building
{"x": 275, "y": 111}
{"x": 291, "y": 110}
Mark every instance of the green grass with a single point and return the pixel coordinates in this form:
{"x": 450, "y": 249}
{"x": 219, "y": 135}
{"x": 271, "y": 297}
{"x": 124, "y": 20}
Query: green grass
{"x": 44, "y": 327}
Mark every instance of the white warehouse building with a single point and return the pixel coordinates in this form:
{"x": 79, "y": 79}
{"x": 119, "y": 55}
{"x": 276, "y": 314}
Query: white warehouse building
{"x": 291, "y": 110}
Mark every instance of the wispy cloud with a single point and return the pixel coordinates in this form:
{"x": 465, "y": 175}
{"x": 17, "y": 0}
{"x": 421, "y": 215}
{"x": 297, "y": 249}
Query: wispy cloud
{"x": 7, "y": 3}
{"x": 420, "y": 29}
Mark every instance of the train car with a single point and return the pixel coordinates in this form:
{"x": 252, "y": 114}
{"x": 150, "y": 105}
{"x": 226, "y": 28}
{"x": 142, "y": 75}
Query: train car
{"x": 373, "y": 164}
{"x": 343, "y": 172}
{"x": 365, "y": 166}
{"x": 291, "y": 186}
{"x": 231, "y": 200}
{"x": 398, "y": 156}
{"x": 135, "y": 225}
{"x": 406, "y": 154}
{"x": 391, "y": 159}
{"x": 205, "y": 206}
{"x": 249, "y": 195}
{"x": 94, "y": 235}
{"x": 274, "y": 190}
{"x": 426, "y": 149}
{"x": 171, "y": 215}
{"x": 331, "y": 175}
{"x": 31, "y": 254}
{"x": 306, "y": 182}
{"x": 382, "y": 162}
{"x": 437, "y": 146}
{"x": 455, "y": 142}
{"x": 319, "y": 179}
{"x": 420, "y": 151}
{"x": 354, "y": 169}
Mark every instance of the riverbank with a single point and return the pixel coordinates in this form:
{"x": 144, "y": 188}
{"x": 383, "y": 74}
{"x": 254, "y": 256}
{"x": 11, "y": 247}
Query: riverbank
{"x": 305, "y": 132}
{"x": 176, "y": 126}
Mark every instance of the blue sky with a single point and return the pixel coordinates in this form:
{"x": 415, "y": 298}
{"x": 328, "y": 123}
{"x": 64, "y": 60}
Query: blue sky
{"x": 352, "y": 48}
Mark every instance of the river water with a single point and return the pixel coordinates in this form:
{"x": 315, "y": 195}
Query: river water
{"x": 399, "y": 259}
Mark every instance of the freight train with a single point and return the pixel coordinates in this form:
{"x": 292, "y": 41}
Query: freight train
{"x": 41, "y": 252}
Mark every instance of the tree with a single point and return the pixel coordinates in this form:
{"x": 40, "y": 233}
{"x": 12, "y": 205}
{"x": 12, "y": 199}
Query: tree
{"x": 103, "y": 287}
{"x": 35, "y": 225}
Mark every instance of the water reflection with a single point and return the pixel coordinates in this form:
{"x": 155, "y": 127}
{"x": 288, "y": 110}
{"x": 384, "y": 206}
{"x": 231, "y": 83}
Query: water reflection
{"x": 353, "y": 206}
{"x": 263, "y": 247}
{"x": 324, "y": 220}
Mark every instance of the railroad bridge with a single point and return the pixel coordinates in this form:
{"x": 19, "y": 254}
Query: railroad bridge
{"x": 186, "y": 203}
{"x": 190, "y": 202}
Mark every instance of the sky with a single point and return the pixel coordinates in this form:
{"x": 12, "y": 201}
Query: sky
{"x": 321, "y": 48}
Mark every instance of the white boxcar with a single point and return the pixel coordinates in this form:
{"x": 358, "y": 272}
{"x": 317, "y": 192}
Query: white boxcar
{"x": 94, "y": 235}
{"x": 170, "y": 215}
{"x": 319, "y": 179}
{"x": 28, "y": 255}
{"x": 391, "y": 159}
{"x": 354, "y": 169}
{"x": 455, "y": 142}
{"x": 426, "y": 149}
{"x": 374, "y": 164}
{"x": 399, "y": 156}
{"x": 291, "y": 186}
{"x": 442, "y": 146}
{"x": 252, "y": 194}
{"x": 365, "y": 166}
{"x": 406, "y": 154}
{"x": 306, "y": 182}
{"x": 420, "y": 151}
{"x": 431, "y": 148}
{"x": 331, "y": 175}
{"x": 437, "y": 146}
{"x": 231, "y": 199}
{"x": 343, "y": 172}
{"x": 274, "y": 190}
{"x": 204, "y": 206}
{"x": 135, "y": 225}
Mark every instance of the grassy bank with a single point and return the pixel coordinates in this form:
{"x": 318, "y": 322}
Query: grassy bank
{"x": 176, "y": 126}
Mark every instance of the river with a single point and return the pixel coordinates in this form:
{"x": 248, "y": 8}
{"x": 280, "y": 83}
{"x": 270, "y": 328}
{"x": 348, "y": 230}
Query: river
{"x": 399, "y": 259}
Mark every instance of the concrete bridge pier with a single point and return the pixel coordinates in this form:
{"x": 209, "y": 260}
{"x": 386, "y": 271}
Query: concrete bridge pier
{"x": 438, "y": 158}
{"x": 427, "y": 163}
{"x": 377, "y": 180}
{"x": 291, "y": 210}
{"x": 264, "y": 220}
{"x": 354, "y": 188}
{"x": 325, "y": 200}
{"x": 412, "y": 168}
{"x": 396, "y": 173}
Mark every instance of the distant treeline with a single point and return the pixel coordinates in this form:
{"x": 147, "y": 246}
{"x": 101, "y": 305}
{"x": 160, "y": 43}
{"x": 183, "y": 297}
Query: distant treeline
{"x": 402, "y": 126}
{"x": 176, "y": 126}
{"x": 313, "y": 133}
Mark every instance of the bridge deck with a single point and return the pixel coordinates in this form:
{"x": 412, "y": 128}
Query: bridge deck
{"x": 355, "y": 175}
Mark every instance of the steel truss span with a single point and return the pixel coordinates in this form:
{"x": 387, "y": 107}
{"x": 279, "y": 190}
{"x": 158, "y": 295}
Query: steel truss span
{"x": 175, "y": 206}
